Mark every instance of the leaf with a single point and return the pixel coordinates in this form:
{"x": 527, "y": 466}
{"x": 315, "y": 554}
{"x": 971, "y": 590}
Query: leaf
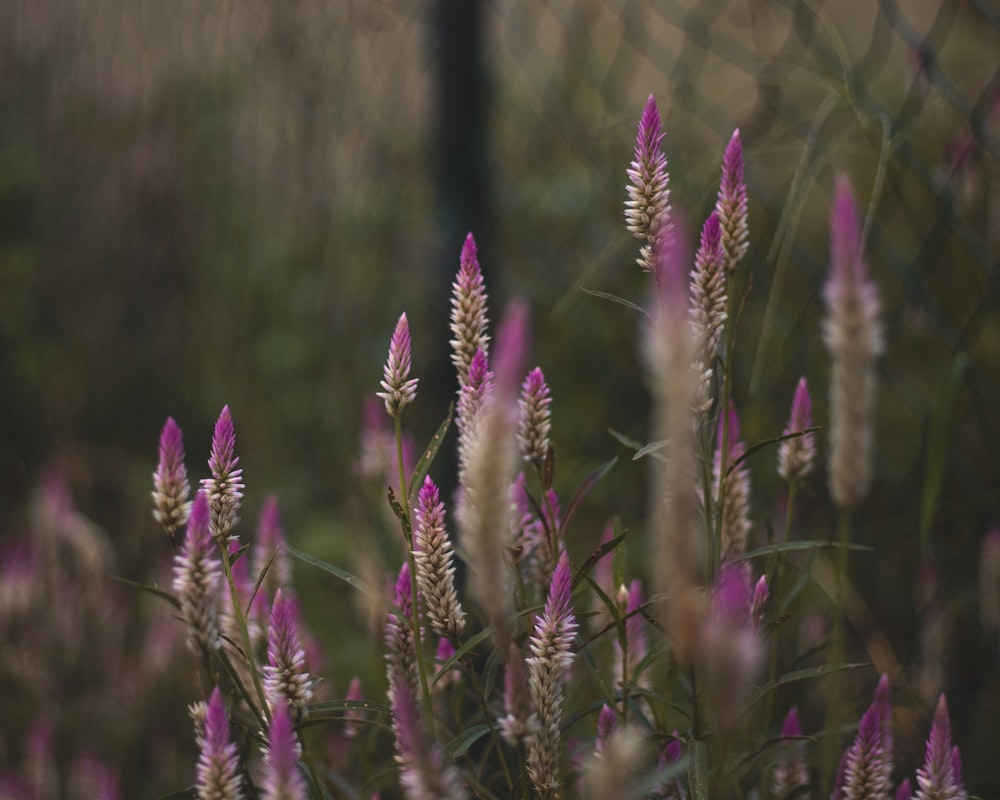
{"x": 316, "y": 787}
{"x": 424, "y": 464}
{"x": 651, "y": 449}
{"x": 234, "y": 557}
{"x": 153, "y": 590}
{"x": 344, "y": 575}
{"x": 771, "y": 549}
{"x": 777, "y": 741}
{"x": 616, "y": 299}
{"x": 328, "y": 706}
{"x": 596, "y": 556}
{"x": 807, "y": 674}
{"x": 628, "y": 441}
{"x": 260, "y": 580}
{"x": 767, "y": 443}
{"x": 583, "y": 490}
{"x": 458, "y": 746}
{"x": 461, "y": 651}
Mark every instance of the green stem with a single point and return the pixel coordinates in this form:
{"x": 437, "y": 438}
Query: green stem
{"x": 838, "y": 649}
{"x": 415, "y": 612}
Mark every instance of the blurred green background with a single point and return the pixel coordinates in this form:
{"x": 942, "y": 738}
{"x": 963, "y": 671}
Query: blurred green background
{"x": 231, "y": 202}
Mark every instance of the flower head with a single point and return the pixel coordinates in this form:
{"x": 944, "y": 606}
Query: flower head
{"x": 535, "y": 418}
{"x": 218, "y": 776}
{"x": 468, "y": 312}
{"x": 791, "y": 771}
{"x": 171, "y": 489}
{"x": 197, "y": 572}
{"x": 282, "y": 779}
{"x": 400, "y": 649}
{"x": 422, "y": 771}
{"x": 708, "y": 289}
{"x": 647, "y": 211}
{"x": 434, "y": 557}
{"x": 940, "y": 778}
{"x": 286, "y": 681}
{"x": 731, "y": 205}
{"x": 735, "y": 499}
{"x": 607, "y": 721}
{"x": 797, "y": 456}
{"x": 270, "y": 547}
{"x": 225, "y": 487}
{"x": 399, "y": 390}
{"x": 866, "y": 768}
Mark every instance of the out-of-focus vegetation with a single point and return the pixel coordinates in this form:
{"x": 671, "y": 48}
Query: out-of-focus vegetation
{"x": 231, "y": 202}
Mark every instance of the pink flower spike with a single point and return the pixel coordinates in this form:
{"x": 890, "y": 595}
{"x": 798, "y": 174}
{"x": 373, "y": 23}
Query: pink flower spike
{"x": 905, "y": 791}
{"x": 218, "y": 775}
{"x": 796, "y": 457}
{"x": 468, "y": 312}
{"x": 790, "y": 772}
{"x": 731, "y": 205}
{"x": 282, "y": 779}
{"x": 535, "y": 418}
{"x": 511, "y": 350}
{"x": 761, "y": 593}
{"x": 197, "y": 574}
{"x": 271, "y": 542}
{"x": 422, "y": 771}
{"x": 399, "y": 390}
{"x": 938, "y": 778}
{"x": 225, "y": 487}
{"x": 286, "y": 681}
{"x": 647, "y": 210}
{"x": 607, "y": 721}
{"x": 171, "y": 489}
{"x": 735, "y": 499}
{"x": 708, "y": 289}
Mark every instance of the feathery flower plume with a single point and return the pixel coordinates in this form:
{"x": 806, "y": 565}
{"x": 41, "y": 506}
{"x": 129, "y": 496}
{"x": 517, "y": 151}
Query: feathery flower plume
{"x": 520, "y": 722}
{"x": 796, "y": 457}
{"x": 432, "y": 552}
{"x": 224, "y": 488}
{"x": 865, "y": 771}
{"x": 647, "y": 211}
{"x": 171, "y": 490}
{"x": 989, "y": 581}
{"x": 271, "y": 542}
{"x": 197, "y": 573}
{"x": 286, "y": 681}
{"x": 791, "y": 772}
{"x": 607, "y": 721}
{"x": 218, "y": 773}
{"x": 535, "y": 418}
{"x": 468, "y": 312}
{"x": 485, "y": 518}
{"x": 282, "y": 779}
{"x": 735, "y": 501}
{"x": 852, "y": 333}
{"x": 548, "y": 669}
{"x": 400, "y": 648}
{"x": 353, "y": 715}
{"x": 422, "y": 771}
{"x": 399, "y": 388}
{"x": 940, "y": 778}
{"x": 708, "y": 291}
{"x": 731, "y": 205}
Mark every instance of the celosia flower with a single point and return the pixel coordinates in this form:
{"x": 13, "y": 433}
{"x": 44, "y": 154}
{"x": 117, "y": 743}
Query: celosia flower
{"x": 353, "y": 715}
{"x": 473, "y": 397}
{"x": 218, "y": 774}
{"x": 708, "y": 290}
{"x": 399, "y": 388}
{"x": 433, "y": 554}
{"x": 761, "y": 592}
{"x": 520, "y": 722}
{"x": 468, "y": 312}
{"x": 197, "y": 573}
{"x": 422, "y": 771}
{"x": 735, "y": 500}
{"x": 224, "y": 488}
{"x": 731, "y": 205}
{"x": 535, "y": 418}
{"x": 286, "y": 681}
{"x": 905, "y": 791}
{"x": 607, "y": 721}
{"x": 636, "y": 647}
{"x": 445, "y": 652}
{"x": 282, "y": 778}
{"x": 852, "y": 333}
{"x": 270, "y": 547}
{"x": 796, "y": 457}
{"x": 400, "y": 650}
{"x": 865, "y": 771}
{"x": 171, "y": 490}
{"x": 790, "y": 772}
{"x": 940, "y": 778}
{"x": 548, "y": 670}
{"x": 647, "y": 211}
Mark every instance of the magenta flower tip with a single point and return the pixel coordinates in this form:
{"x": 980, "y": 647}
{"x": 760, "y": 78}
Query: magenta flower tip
{"x": 281, "y": 767}
{"x": 216, "y": 721}
{"x": 403, "y": 590}
{"x": 734, "y": 446}
{"x": 399, "y": 390}
{"x": 711, "y": 234}
{"x": 732, "y": 160}
{"x": 673, "y": 749}
{"x": 560, "y": 589}
{"x": 732, "y": 596}
{"x": 511, "y": 349}
{"x": 198, "y": 534}
{"x": 429, "y": 495}
{"x": 845, "y": 230}
{"x": 223, "y": 443}
{"x": 905, "y": 791}
{"x": 445, "y": 649}
{"x": 607, "y": 721}
{"x": 171, "y": 442}
{"x": 792, "y": 726}
{"x": 671, "y": 258}
{"x": 468, "y": 260}
{"x": 802, "y": 405}
{"x": 650, "y": 129}
{"x": 404, "y": 710}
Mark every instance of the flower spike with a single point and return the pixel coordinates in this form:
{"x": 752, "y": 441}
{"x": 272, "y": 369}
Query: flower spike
{"x": 225, "y": 487}
{"x": 535, "y": 418}
{"x": 940, "y": 778}
{"x": 647, "y": 211}
{"x": 171, "y": 490}
{"x": 197, "y": 573}
{"x": 796, "y": 457}
{"x": 434, "y": 557}
{"x": 399, "y": 389}
{"x": 468, "y": 312}
{"x": 282, "y": 779}
{"x": 218, "y": 775}
{"x": 732, "y": 204}
{"x": 286, "y": 680}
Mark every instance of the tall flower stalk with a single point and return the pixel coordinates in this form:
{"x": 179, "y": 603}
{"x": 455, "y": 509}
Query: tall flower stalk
{"x": 940, "y": 778}
{"x": 282, "y": 779}
{"x": 286, "y": 680}
{"x": 435, "y": 565}
{"x": 647, "y": 210}
{"x": 196, "y": 581}
{"x": 225, "y": 488}
{"x": 469, "y": 322}
{"x": 171, "y": 490}
{"x": 218, "y": 774}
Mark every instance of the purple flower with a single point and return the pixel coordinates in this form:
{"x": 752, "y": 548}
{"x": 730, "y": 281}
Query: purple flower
{"x": 866, "y": 767}
{"x": 511, "y": 350}
{"x": 636, "y": 647}
{"x": 270, "y": 546}
{"x": 708, "y": 290}
{"x": 852, "y": 333}
{"x": 607, "y": 721}
{"x": 399, "y": 390}
{"x": 400, "y": 649}
{"x": 796, "y": 457}
{"x": 434, "y": 559}
{"x": 282, "y": 778}
{"x": 286, "y": 681}
{"x": 731, "y": 205}
{"x": 218, "y": 774}
{"x": 940, "y": 778}
{"x": 647, "y": 211}
{"x": 197, "y": 573}
{"x": 353, "y": 715}
{"x": 761, "y": 593}
{"x": 735, "y": 500}
{"x": 445, "y": 652}
{"x": 422, "y": 771}
{"x": 791, "y": 771}
{"x": 905, "y": 791}
{"x": 224, "y": 488}
{"x": 535, "y": 418}
{"x": 468, "y": 312}
{"x": 520, "y": 723}
{"x": 171, "y": 489}
{"x": 548, "y": 670}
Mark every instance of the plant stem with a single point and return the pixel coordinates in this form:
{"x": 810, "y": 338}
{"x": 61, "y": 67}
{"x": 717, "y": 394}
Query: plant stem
{"x": 837, "y": 650}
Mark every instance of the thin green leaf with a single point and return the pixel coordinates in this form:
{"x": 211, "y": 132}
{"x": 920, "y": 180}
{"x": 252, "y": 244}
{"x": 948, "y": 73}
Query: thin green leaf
{"x": 583, "y": 490}
{"x": 242, "y": 551}
{"x": 808, "y": 674}
{"x": 316, "y": 787}
{"x": 771, "y": 549}
{"x": 767, "y": 443}
{"x": 260, "y": 580}
{"x": 461, "y": 651}
{"x": 596, "y": 556}
{"x": 458, "y": 746}
{"x": 628, "y": 441}
{"x": 153, "y": 590}
{"x": 616, "y": 299}
{"x": 234, "y": 676}
{"x": 777, "y": 741}
{"x": 337, "y": 572}
{"x": 424, "y": 464}
{"x": 651, "y": 449}
{"x": 328, "y": 706}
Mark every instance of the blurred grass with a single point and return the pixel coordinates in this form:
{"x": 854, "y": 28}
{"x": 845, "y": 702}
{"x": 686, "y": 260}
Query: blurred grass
{"x": 209, "y": 203}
